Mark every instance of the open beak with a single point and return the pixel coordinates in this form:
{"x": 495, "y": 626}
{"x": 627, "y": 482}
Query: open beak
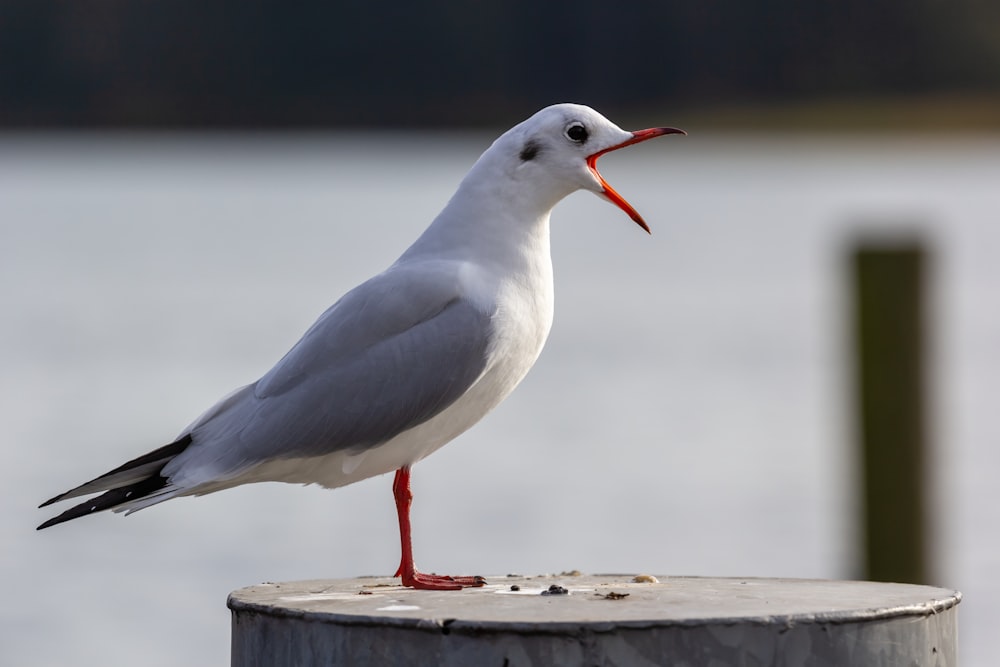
{"x": 609, "y": 192}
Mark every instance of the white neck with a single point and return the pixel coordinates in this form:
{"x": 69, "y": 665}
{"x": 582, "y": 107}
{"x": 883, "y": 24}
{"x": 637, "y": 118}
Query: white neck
{"x": 493, "y": 217}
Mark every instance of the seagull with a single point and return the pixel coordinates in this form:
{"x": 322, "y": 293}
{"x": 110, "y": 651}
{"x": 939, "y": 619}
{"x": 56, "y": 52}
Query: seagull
{"x": 408, "y": 360}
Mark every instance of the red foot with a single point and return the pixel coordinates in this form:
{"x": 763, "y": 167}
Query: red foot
{"x": 438, "y": 582}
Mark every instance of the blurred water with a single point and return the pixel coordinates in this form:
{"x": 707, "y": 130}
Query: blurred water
{"x": 687, "y": 417}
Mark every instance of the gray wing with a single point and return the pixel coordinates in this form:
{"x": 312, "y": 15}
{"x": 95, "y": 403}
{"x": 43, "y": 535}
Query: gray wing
{"x": 388, "y": 356}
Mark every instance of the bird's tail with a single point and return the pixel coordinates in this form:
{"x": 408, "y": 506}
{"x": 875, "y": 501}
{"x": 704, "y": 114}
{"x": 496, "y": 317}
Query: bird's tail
{"x": 124, "y": 487}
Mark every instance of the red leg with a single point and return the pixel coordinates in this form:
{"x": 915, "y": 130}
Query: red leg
{"x": 412, "y": 578}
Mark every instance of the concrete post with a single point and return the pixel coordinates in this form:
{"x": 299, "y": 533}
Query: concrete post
{"x": 556, "y": 621}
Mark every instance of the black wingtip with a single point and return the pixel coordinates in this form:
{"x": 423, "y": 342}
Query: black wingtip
{"x": 52, "y": 500}
{"x": 163, "y": 454}
{"x": 72, "y": 513}
{"x": 50, "y": 522}
{"x": 109, "y": 500}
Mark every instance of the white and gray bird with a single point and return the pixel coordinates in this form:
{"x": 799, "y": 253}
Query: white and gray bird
{"x": 409, "y": 359}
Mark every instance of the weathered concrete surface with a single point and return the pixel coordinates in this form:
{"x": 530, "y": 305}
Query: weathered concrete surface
{"x": 602, "y": 620}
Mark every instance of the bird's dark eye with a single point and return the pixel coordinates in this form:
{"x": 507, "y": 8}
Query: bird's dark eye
{"x": 576, "y": 131}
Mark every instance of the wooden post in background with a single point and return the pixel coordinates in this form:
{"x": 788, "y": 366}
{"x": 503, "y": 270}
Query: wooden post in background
{"x": 890, "y": 391}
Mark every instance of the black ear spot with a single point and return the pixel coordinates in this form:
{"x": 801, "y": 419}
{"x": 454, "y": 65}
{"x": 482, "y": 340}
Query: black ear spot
{"x": 530, "y": 150}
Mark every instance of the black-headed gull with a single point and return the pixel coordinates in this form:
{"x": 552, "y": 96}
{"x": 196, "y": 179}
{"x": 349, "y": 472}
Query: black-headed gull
{"x": 409, "y": 359}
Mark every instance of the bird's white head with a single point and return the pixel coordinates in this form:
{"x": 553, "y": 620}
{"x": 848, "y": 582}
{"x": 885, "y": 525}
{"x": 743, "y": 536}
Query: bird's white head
{"x": 557, "y": 150}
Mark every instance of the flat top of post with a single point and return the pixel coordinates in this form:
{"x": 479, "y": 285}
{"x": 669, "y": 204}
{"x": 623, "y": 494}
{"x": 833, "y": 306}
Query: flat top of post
{"x": 597, "y": 599}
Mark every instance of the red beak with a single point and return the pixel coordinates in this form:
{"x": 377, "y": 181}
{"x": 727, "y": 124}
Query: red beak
{"x": 609, "y": 192}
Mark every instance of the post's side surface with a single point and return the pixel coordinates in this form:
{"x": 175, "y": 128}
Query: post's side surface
{"x": 601, "y": 620}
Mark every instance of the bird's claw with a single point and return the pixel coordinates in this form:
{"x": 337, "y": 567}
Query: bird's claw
{"x": 439, "y": 582}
